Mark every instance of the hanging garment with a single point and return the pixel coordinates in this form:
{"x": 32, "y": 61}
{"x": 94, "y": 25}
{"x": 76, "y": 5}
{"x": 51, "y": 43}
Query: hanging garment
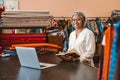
{"x": 100, "y": 66}
{"x": 109, "y": 33}
{"x": 114, "y": 53}
{"x": 89, "y": 25}
{"x": 100, "y": 28}
{"x": 117, "y": 70}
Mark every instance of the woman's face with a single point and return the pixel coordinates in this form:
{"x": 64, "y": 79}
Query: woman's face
{"x": 77, "y": 22}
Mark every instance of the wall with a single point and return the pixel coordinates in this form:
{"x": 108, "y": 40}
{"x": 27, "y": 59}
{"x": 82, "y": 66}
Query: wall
{"x": 58, "y": 8}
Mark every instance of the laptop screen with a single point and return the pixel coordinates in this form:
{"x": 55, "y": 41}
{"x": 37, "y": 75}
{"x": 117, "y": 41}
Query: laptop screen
{"x": 28, "y": 58}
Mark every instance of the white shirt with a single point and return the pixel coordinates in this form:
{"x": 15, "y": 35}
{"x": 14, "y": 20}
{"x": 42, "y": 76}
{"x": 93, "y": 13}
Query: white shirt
{"x": 84, "y": 44}
{"x": 103, "y": 40}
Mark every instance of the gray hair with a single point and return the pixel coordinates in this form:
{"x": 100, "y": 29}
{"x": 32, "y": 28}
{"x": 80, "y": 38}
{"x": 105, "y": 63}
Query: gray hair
{"x": 80, "y": 14}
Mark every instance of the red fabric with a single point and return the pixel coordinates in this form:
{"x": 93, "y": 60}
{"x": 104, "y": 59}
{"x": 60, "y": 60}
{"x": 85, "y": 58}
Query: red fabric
{"x": 9, "y": 39}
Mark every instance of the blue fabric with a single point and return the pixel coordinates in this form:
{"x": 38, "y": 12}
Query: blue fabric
{"x": 101, "y": 29}
{"x": 93, "y": 26}
{"x": 65, "y": 46}
{"x": 11, "y": 52}
{"x": 89, "y": 25}
{"x": 72, "y": 28}
{"x": 114, "y": 53}
{"x": 100, "y": 26}
{"x": 65, "y": 39}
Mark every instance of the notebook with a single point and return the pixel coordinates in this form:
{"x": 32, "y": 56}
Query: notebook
{"x": 28, "y": 58}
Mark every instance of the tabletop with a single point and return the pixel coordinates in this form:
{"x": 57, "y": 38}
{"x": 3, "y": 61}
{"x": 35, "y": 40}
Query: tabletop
{"x": 10, "y": 69}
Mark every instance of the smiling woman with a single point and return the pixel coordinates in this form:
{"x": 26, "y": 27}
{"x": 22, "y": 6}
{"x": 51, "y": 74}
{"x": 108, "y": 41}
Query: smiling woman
{"x": 78, "y": 18}
{"x": 82, "y": 39}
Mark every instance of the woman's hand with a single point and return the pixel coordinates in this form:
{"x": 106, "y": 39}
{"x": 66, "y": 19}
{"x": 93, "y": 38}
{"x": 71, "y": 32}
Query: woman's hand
{"x": 67, "y": 57}
{"x": 87, "y": 61}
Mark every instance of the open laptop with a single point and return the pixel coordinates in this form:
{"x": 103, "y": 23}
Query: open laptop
{"x": 28, "y": 58}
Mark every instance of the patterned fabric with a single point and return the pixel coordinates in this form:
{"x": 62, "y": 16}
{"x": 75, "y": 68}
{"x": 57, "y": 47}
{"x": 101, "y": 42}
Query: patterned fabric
{"x": 90, "y": 26}
{"x": 66, "y": 33}
{"x": 96, "y": 26}
{"x": 100, "y": 28}
{"x": 93, "y": 26}
{"x": 100, "y": 25}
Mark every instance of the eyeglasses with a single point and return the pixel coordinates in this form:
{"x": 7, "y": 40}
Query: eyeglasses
{"x": 76, "y": 19}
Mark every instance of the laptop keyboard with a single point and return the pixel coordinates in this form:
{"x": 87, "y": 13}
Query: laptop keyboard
{"x": 42, "y": 66}
{"x": 46, "y": 65}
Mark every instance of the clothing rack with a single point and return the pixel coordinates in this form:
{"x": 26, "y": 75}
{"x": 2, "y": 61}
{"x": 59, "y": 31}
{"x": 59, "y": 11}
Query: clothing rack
{"x": 88, "y": 18}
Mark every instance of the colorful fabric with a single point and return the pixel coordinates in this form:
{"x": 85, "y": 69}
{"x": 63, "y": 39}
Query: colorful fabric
{"x": 107, "y": 51}
{"x": 100, "y": 28}
{"x": 114, "y": 54}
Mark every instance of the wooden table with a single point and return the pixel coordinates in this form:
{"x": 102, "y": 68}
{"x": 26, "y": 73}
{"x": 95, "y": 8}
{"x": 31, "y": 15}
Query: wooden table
{"x": 10, "y": 69}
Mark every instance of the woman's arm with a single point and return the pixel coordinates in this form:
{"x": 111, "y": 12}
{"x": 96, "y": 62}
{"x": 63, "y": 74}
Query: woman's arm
{"x": 90, "y": 48}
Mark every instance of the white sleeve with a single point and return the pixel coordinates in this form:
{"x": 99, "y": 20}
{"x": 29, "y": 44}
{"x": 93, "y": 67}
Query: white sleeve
{"x": 90, "y": 47}
{"x": 103, "y": 40}
{"x": 69, "y": 44}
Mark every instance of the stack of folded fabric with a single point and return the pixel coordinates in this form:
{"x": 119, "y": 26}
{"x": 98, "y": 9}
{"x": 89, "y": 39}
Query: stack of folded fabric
{"x": 9, "y": 39}
{"x": 36, "y": 45}
{"x": 25, "y": 18}
{"x": 2, "y": 8}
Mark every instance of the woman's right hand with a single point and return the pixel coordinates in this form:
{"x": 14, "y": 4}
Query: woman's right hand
{"x": 67, "y": 57}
